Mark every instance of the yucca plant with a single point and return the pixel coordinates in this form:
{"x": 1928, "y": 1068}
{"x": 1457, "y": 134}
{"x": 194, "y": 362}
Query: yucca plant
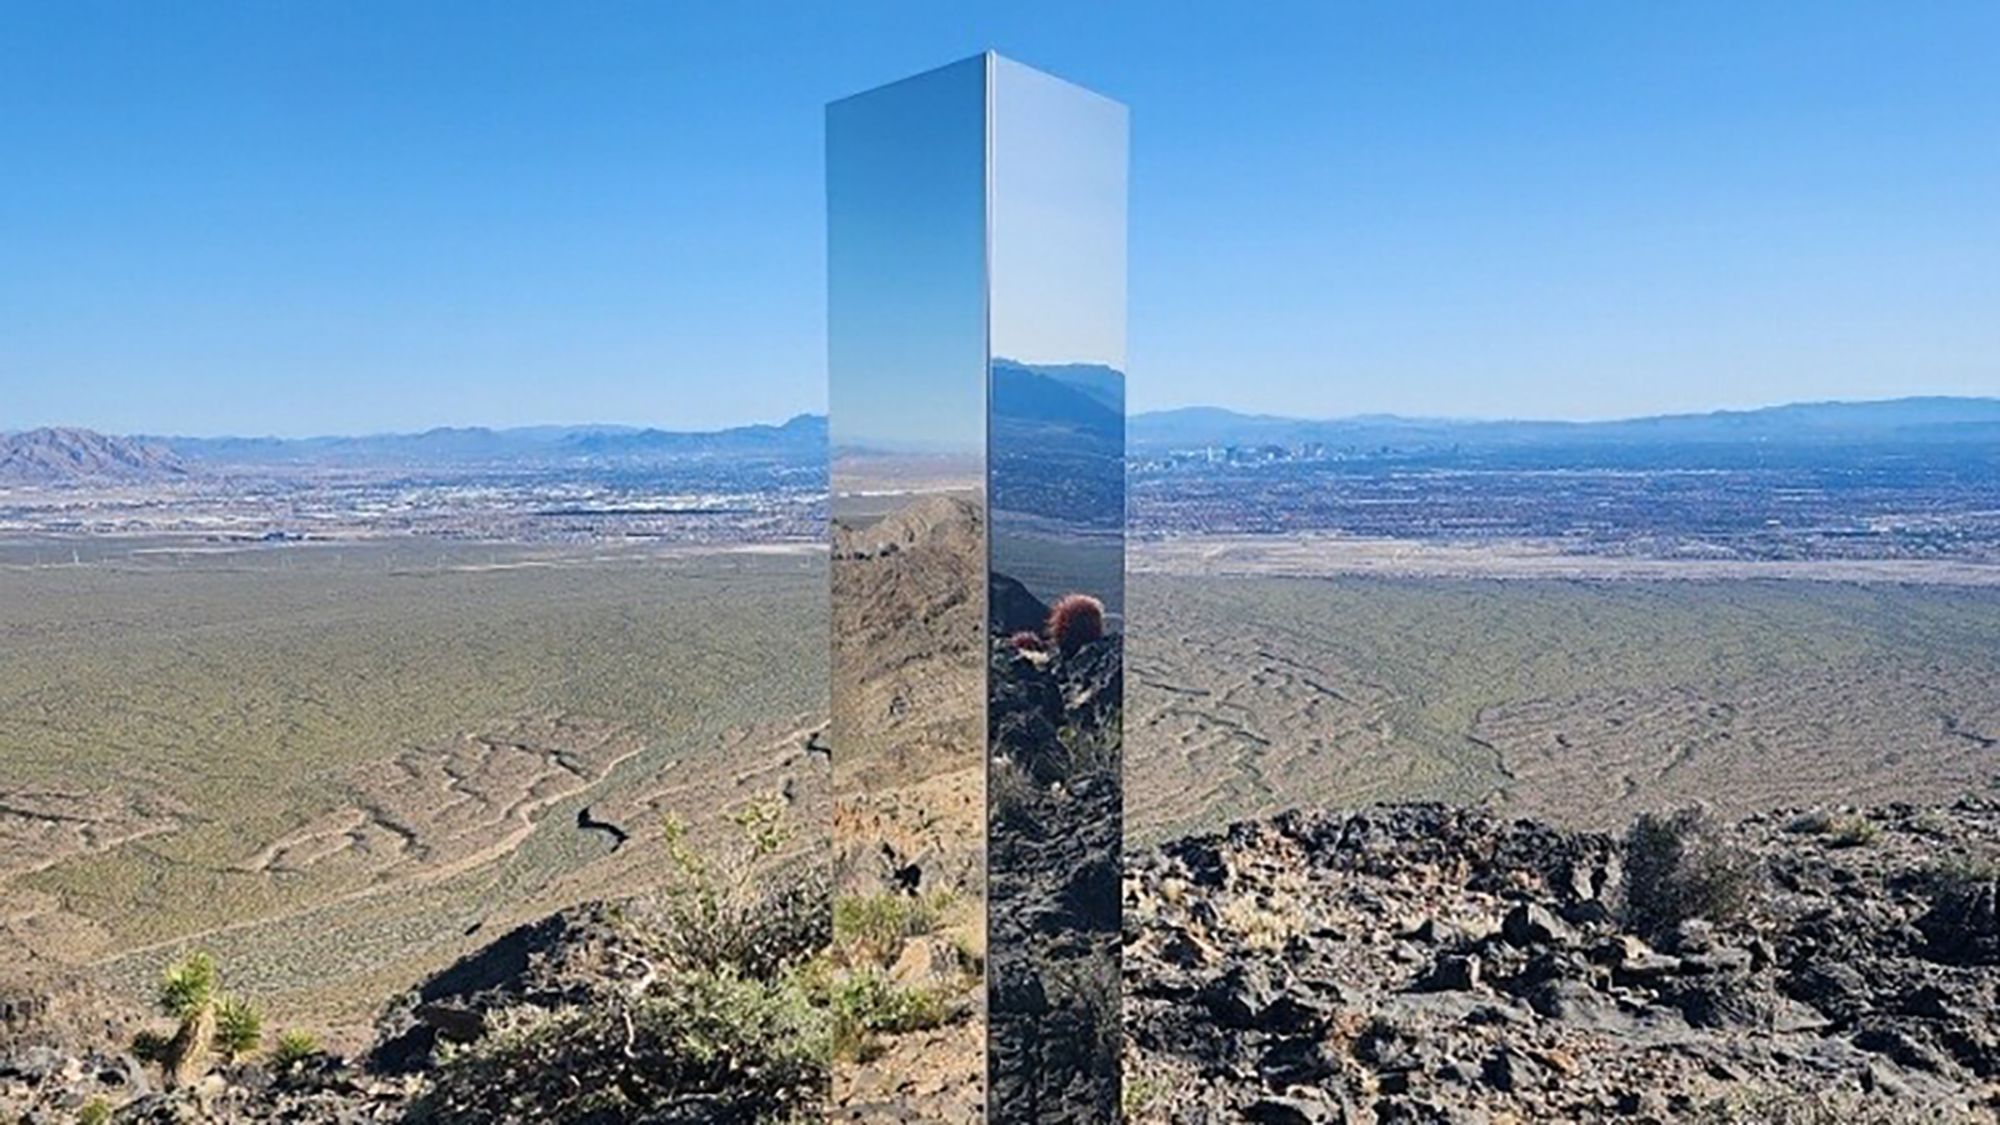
{"x": 188, "y": 997}
{"x": 239, "y": 1028}
{"x": 293, "y": 1049}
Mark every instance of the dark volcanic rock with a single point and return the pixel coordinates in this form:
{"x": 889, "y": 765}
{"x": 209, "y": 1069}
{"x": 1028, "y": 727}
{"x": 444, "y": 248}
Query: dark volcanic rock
{"x": 1427, "y": 963}
{"x": 561, "y": 959}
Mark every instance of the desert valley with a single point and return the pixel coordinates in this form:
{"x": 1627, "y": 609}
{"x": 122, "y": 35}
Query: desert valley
{"x": 344, "y": 714}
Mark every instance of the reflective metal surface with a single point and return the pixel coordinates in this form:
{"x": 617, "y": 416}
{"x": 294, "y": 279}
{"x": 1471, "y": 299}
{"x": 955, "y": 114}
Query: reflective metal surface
{"x": 906, "y": 192}
{"x": 976, "y": 339}
{"x": 1056, "y": 483}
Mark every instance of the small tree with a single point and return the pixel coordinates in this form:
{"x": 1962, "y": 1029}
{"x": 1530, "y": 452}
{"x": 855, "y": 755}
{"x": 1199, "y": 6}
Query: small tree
{"x": 207, "y": 1023}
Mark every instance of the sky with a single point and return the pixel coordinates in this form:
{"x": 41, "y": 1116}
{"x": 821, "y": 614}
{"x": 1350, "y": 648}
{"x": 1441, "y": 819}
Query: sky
{"x": 373, "y": 215}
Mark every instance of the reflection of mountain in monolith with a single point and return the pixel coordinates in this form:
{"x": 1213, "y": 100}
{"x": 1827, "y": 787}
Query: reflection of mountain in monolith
{"x": 909, "y": 804}
{"x": 1055, "y": 691}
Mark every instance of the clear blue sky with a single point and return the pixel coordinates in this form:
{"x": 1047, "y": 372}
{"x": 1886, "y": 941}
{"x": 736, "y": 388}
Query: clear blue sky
{"x": 292, "y": 218}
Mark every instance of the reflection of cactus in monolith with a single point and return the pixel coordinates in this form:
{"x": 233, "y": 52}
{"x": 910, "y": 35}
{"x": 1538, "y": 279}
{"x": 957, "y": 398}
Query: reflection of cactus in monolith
{"x": 1075, "y": 621}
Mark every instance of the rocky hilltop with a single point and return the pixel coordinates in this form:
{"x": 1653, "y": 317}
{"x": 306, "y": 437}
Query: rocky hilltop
{"x": 1418, "y": 963}
{"x": 1438, "y": 964}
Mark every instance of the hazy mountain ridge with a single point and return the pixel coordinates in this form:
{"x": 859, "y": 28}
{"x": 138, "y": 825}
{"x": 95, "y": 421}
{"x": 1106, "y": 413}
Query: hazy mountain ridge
{"x": 1074, "y": 397}
{"x": 802, "y": 438}
{"x": 1920, "y": 419}
{"x": 1068, "y": 399}
{"x": 58, "y": 455}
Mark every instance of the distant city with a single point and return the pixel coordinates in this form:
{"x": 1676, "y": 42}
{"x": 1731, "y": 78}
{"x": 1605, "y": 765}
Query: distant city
{"x": 1908, "y": 480}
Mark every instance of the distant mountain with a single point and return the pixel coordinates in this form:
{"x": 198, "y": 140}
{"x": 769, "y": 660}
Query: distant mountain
{"x": 1894, "y": 421}
{"x": 803, "y": 439}
{"x": 1075, "y": 398}
{"x": 1103, "y": 383}
{"x": 57, "y": 456}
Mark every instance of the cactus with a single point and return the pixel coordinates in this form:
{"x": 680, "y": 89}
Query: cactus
{"x": 1074, "y": 621}
{"x": 1026, "y": 641}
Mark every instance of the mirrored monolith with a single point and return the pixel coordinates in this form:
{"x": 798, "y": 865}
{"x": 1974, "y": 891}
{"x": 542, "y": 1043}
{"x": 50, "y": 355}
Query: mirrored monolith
{"x": 976, "y": 346}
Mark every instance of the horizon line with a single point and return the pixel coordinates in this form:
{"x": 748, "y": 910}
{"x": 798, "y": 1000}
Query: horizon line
{"x": 795, "y": 416}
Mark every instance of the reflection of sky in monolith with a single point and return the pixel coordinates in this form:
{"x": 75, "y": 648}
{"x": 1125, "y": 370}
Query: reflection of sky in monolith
{"x": 906, "y": 249}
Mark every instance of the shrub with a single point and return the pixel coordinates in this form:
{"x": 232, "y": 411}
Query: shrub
{"x": 735, "y": 1027}
{"x": 873, "y": 927}
{"x": 96, "y": 1111}
{"x": 1074, "y": 621}
{"x": 1092, "y": 749}
{"x": 1963, "y": 922}
{"x": 867, "y": 1004}
{"x": 1013, "y": 796}
{"x": 732, "y": 909}
{"x": 294, "y": 1048}
{"x": 239, "y": 1028}
{"x": 1088, "y": 990}
{"x": 1840, "y": 830}
{"x": 708, "y": 1043}
{"x": 1678, "y": 866}
{"x": 1754, "y": 1105}
{"x": 1854, "y": 832}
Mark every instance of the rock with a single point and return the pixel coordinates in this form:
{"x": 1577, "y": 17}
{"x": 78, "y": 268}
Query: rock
{"x": 1456, "y": 973}
{"x": 1293, "y": 1111}
{"x": 1695, "y": 935}
{"x": 1508, "y": 1071}
{"x": 1296, "y": 1061}
{"x": 1529, "y": 925}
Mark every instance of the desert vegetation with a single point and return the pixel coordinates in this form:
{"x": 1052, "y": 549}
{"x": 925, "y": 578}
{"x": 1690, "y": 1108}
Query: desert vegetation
{"x": 335, "y": 769}
{"x": 1584, "y": 703}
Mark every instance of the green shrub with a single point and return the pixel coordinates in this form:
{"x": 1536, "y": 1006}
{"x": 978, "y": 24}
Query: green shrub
{"x": 867, "y": 1004}
{"x": 1840, "y": 830}
{"x": 96, "y": 1111}
{"x": 735, "y": 1027}
{"x": 239, "y": 1028}
{"x": 744, "y": 1050}
{"x": 293, "y": 1049}
{"x": 731, "y": 907}
{"x": 1013, "y": 796}
{"x": 1678, "y": 866}
{"x": 1092, "y": 750}
{"x": 1750, "y": 1105}
{"x": 874, "y": 927}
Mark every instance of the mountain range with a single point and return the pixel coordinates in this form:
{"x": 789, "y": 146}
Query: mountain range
{"x": 1076, "y": 398}
{"x": 1891, "y": 421}
{"x": 803, "y": 438}
{"x": 70, "y": 454}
